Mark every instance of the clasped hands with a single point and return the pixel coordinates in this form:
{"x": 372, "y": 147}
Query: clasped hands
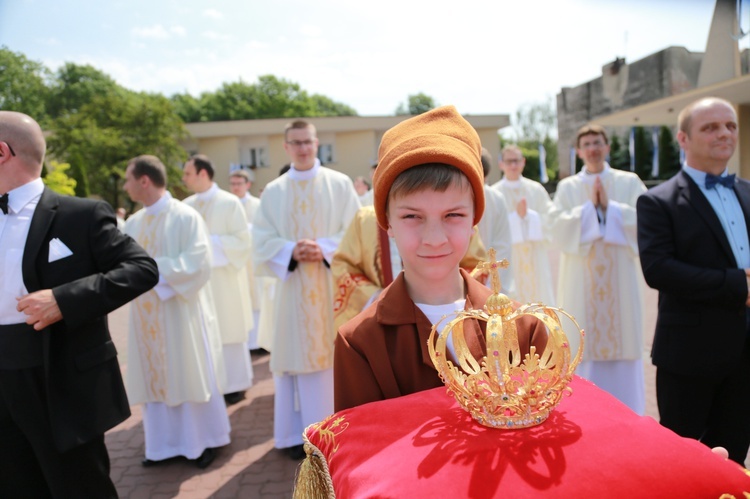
{"x": 40, "y": 308}
{"x": 307, "y": 250}
{"x": 599, "y": 195}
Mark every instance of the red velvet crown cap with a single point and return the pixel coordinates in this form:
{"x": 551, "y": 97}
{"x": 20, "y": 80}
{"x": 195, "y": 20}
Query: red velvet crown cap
{"x": 441, "y": 135}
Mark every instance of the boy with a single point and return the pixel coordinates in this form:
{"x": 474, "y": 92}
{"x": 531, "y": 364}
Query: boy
{"x": 428, "y": 195}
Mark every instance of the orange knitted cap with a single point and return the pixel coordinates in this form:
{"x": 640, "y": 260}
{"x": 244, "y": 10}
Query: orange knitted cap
{"x": 438, "y": 136}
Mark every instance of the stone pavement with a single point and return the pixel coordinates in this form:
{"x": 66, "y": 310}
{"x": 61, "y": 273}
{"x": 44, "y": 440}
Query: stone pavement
{"x": 248, "y": 467}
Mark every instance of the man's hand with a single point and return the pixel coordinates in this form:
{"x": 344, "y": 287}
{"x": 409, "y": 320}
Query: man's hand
{"x": 307, "y": 250}
{"x": 40, "y": 307}
{"x": 599, "y": 195}
{"x": 522, "y": 208}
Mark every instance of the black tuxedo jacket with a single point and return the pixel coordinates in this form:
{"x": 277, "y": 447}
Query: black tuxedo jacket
{"x": 685, "y": 254}
{"x": 84, "y": 389}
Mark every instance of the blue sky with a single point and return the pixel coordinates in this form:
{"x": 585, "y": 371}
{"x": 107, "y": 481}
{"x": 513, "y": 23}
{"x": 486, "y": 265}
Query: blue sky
{"x": 486, "y": 57}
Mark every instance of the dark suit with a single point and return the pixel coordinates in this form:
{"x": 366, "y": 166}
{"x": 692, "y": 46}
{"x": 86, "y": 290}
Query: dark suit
{"x": 700, "y": 347}
{"x": 78, "y": 388}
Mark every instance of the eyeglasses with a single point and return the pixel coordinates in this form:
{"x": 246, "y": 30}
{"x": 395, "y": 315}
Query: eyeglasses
{"x": 300, "y": 143}
{"x": 512, "y": 161}
{"x": 12, "y": 152}
{"x": 596, "y": 144}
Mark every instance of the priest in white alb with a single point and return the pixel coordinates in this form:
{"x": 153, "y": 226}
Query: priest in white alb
{"x": 230, "y": 248}
{"x": 239, "y": 184}
{"x": 593, "y": 222}
{"x": 494, "y": 229}
{"x": 303, "y": 215}
{"x": 175, "y": 361}
{"x": 528, "y": 207}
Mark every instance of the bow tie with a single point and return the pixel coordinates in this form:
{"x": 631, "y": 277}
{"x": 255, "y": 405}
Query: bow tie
{"x": 712, "y": 180}
{"x": 4, "y": 203}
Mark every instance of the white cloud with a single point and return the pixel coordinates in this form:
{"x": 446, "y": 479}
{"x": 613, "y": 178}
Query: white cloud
{"x": 155, "y": 32}
{"x": 213, "y": 35}
{"x": 213, "y": 13}
{"x": 310, "y": 30}
{"x": 158, "y": 32}
{"x": 50, "y": 42}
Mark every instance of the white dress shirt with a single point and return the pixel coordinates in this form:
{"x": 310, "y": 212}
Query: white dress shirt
{"x": 14, "y": 227}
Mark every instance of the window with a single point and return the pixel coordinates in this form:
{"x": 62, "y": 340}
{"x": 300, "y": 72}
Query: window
{"x": 258, "y": 157}
{"x": 325, "y": 153}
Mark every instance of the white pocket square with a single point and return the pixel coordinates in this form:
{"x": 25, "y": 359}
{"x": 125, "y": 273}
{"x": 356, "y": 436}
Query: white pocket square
{"x": 58, "y": 250}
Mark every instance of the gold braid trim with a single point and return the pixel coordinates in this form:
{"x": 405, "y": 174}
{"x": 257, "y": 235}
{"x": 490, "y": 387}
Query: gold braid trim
{"x": 313, "y": 480}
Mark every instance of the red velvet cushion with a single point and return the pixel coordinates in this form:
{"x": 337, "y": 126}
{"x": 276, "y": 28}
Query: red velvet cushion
{"x": 425, "y": 445}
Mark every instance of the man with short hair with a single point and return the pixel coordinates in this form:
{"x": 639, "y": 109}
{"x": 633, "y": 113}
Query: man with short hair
{"x": 231, "y": 246}
{"x": 239, "y": 184}
{"x": 494, "y": 228}
{"x": 693, "y": 239}
{"x": 593, "y": 223}
{"x": 302, "y": 217}
{"x": 65, "y": 266}
{"x": 528, "y": 207}
{"x": 174, "y": 347}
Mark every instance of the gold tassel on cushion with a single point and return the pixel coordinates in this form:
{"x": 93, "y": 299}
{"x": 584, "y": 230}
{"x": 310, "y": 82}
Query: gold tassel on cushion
{"x": 313, "y": 479}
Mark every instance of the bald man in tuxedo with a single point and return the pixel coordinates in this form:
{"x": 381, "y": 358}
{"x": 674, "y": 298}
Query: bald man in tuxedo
{"x": 693, "y": 243}
{"x": 65, "y": 266}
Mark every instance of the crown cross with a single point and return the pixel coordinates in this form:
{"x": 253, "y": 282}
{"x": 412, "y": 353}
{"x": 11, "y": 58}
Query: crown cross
{"x": 492, "y": 266}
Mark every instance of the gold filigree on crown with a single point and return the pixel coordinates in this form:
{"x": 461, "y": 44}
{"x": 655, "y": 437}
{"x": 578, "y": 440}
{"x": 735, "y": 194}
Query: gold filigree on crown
{"x": 505, "y": 388}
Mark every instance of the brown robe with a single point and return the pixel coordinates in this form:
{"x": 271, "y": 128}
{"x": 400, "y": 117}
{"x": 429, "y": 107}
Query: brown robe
{"x": 382, "y": 352}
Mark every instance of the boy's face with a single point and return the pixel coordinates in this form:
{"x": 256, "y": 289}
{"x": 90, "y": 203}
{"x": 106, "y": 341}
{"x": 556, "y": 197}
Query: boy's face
{"x": 432, "y": 231}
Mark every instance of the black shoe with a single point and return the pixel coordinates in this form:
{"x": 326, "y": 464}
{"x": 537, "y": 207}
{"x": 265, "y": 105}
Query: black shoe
{"x": 147, "y": 463}
{"x": 234, "y": 397}
{"x": 296, "y": 452}
{"x": 205, "y": 459}
{"x": 259, "y": 351}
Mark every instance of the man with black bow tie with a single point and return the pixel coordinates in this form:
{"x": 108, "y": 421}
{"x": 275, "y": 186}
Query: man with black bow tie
{"x": 693, "y": 240}
{"x": 64, "y": 266}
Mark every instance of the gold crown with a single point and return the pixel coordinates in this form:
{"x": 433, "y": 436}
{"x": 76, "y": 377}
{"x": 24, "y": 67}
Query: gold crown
{"x": 505, "y": 388}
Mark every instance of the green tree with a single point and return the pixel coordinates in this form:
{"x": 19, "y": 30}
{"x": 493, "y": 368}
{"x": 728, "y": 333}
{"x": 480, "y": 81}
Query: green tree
{"x": 416, "y": 104}
{"x": 535, "y": 121}
{"x": 23, "y": 84}
{"x": 99, "y": 139}
{"x": 76, "y": 85}
{"x": 669, "y": 154}
{"x": 534, "y": 124}
{"x": 643, "y": 148}
{"x": 619, "y": 154}
{"x": 270, "y": 97}
{"x": 57, "y": 180}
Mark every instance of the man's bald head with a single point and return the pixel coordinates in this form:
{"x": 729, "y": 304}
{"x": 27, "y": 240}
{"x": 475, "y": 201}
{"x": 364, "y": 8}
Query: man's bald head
{"x": 24, "y": 135}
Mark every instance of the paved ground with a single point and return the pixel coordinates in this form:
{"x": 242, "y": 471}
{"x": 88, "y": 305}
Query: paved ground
{"x": 250, "y": 466}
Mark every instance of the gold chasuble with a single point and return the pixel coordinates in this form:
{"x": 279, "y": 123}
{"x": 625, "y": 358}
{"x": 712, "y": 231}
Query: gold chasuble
{"x": 600, "y": 275}
{"x": 150, "y": 328}
{"x": 167, "y": 357}
{"x": 316, "y": 204}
